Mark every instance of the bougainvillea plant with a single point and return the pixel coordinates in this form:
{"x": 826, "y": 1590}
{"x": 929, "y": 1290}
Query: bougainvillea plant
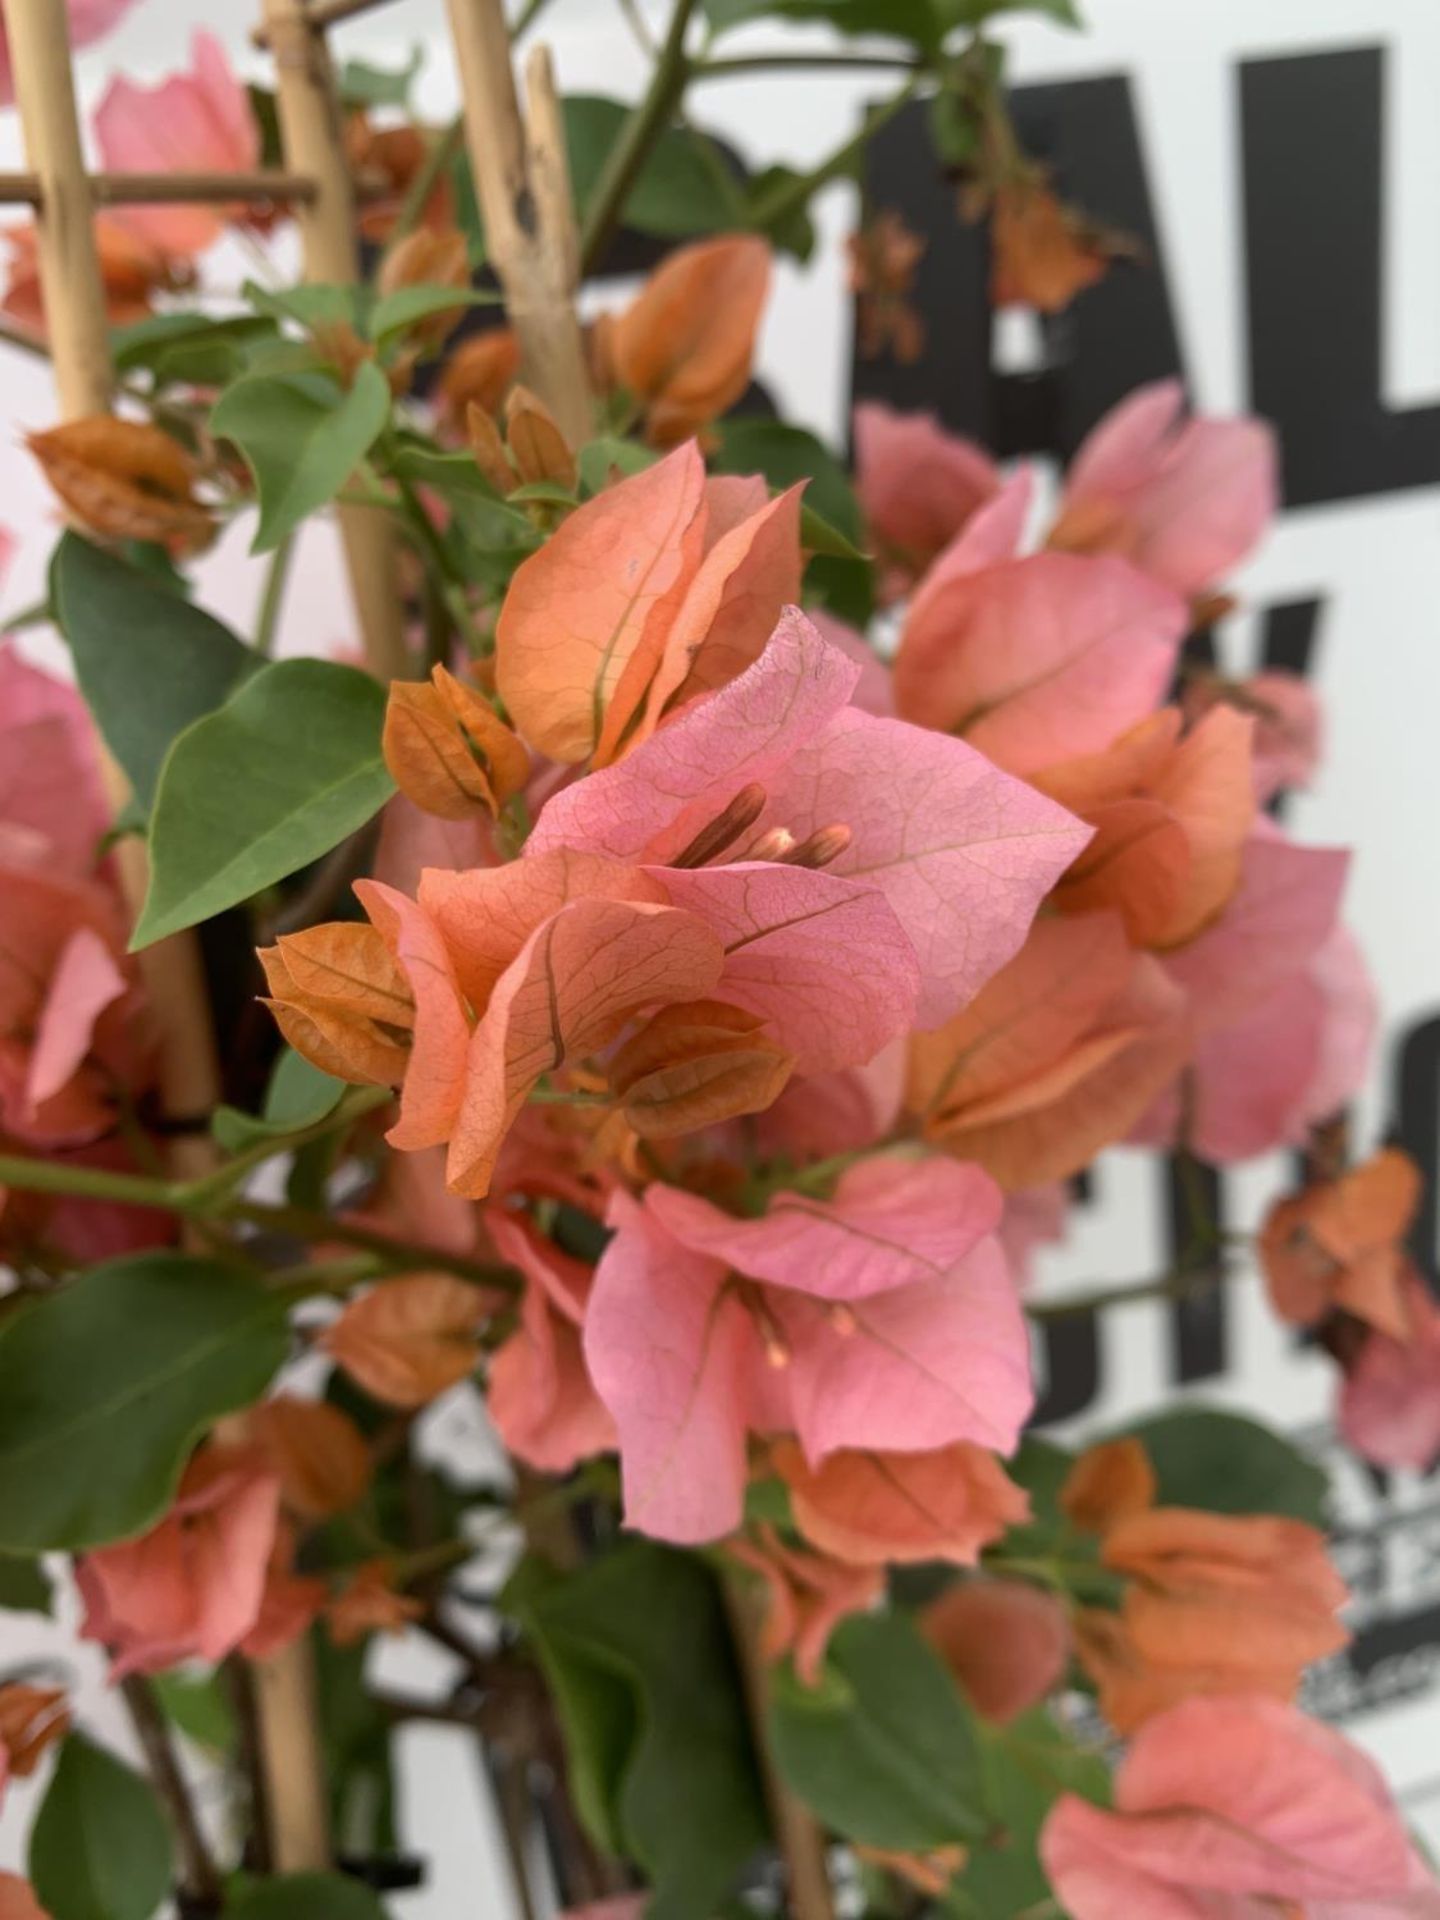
{"x": 665, "y": 1019}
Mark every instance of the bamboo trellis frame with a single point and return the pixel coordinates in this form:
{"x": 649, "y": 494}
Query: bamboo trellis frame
{"x": 318, "y": 183}
{"x": 519, "y": 162}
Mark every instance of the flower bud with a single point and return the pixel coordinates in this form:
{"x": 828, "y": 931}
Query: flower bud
{"x": 697, "y": 1063}
{"x": 538, "y": 448}
{"x": 340, "y": 999}
{"x": 489, "y": 449}
{"x": 125, "y": 480}
{"x": 448, "y": 750}
{"x": 478, "y": 372}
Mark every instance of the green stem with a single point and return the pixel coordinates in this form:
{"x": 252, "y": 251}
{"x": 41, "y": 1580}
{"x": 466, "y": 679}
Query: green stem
{"x": 346, "y": 1270}
{"x": 725, "y": 182}
{"x": 431, "y": 549}
{"x": 87, "y": 1183}
{"x": 198, "y": 1195}
{"x": 1202, "y": 1230}
{"x": 402, "y": 1255}
{"x": 639, "y": 27}
{"x": 213, "y": 1197}
{"x": 35, "y": 615}
{"x": 208, "y": 1195}
{"x": 407, "y": 1568}
{"x": 790, "y": 195}
{"x": 527, "y": 17}
{"x": 647, "y": 121}
{"x": 750, "y": 64}
{"x": 273, "y": 598}
{"x": 1178, "y": 1284}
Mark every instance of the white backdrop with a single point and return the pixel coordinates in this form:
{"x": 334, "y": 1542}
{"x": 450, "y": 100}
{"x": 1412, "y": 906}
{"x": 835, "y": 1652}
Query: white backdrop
{"x": 1376, "y": 563}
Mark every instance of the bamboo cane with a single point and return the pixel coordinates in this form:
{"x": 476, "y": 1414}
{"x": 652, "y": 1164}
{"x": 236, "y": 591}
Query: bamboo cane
{"x": 314, "y": 147}
{"x": 71, "y": 285}
{"x": 187, "y": 1069}
{"x": 168, "y": 189}
{"x": 74, "y": 299}
{"x": 522, "y": 179}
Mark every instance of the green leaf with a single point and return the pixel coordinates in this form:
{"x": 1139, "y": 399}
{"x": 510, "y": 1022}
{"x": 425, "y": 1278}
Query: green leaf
{"x": 1025, "y": 1766}
{"x": 298, "y": 1096}
{"x": 149, "y": 662}
{"x": 364, "y": 85}
{"x": 687, "y": 186}
{"x": 597, "y": 458}
{"x": 767, "y": 1503}
{"x": 955, "y": 128}
{"x": 884, "y": 1751}
{"x": 395, "y": 313}
{"x": 1041, "y": 1468}
{"x": 319, "y": 304}
{"x": 23, "y": 1586}
{"x": 276, "y": 777}
{"x": 306, "y": 1896}
{"x": 1065, "y": 1555}
{"x": 637, "y": 1653}
{"x": 548, "y": 492}
{"x": 100, "y": 1846}
{"x": 302, "y": 438}
{"x": 486, "y": 518}
{"x": 1224, "y": 1463}
{"x": 455, "y": 475}
{"x": 792, "y": 231}
{"x": 199, "y": 1705}
{"x": 974, "y": 13}
{"x": 913, "y": 20}
{"x": 106, "y": 1384}
{"x": 821, "y": 538}
{"x": 188, "y": 349}
{"x": 785, "y": 454}
{"x": 488, "y": 538}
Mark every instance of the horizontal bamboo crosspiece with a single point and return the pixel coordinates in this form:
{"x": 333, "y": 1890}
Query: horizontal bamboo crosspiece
{"x": 169, "y": 189}
{"x": 320, "y": 14}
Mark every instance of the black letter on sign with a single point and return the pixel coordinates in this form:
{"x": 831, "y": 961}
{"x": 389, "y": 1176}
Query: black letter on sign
{"x": 1419, "y": 1133}
{"x": 1194, "y": 1204}
{"x": 1313, "y": 223}
{"x": 1071, "y": 1367}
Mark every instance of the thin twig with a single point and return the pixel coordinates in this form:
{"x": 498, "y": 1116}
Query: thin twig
{"x": 1179, "y": 1284}
{"x": 748, "y": 66}
{"x": 644, "y": 126}
{"x": 212, "y": 1197}
{"x": 789, "y": 195}
{"x": 402, "y": 1255}
{"x": 241, "y": 1690}
{"x": 527, "y": 16}
{"x": 199, "y": 1876}
{"x": 342, "y": 865}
